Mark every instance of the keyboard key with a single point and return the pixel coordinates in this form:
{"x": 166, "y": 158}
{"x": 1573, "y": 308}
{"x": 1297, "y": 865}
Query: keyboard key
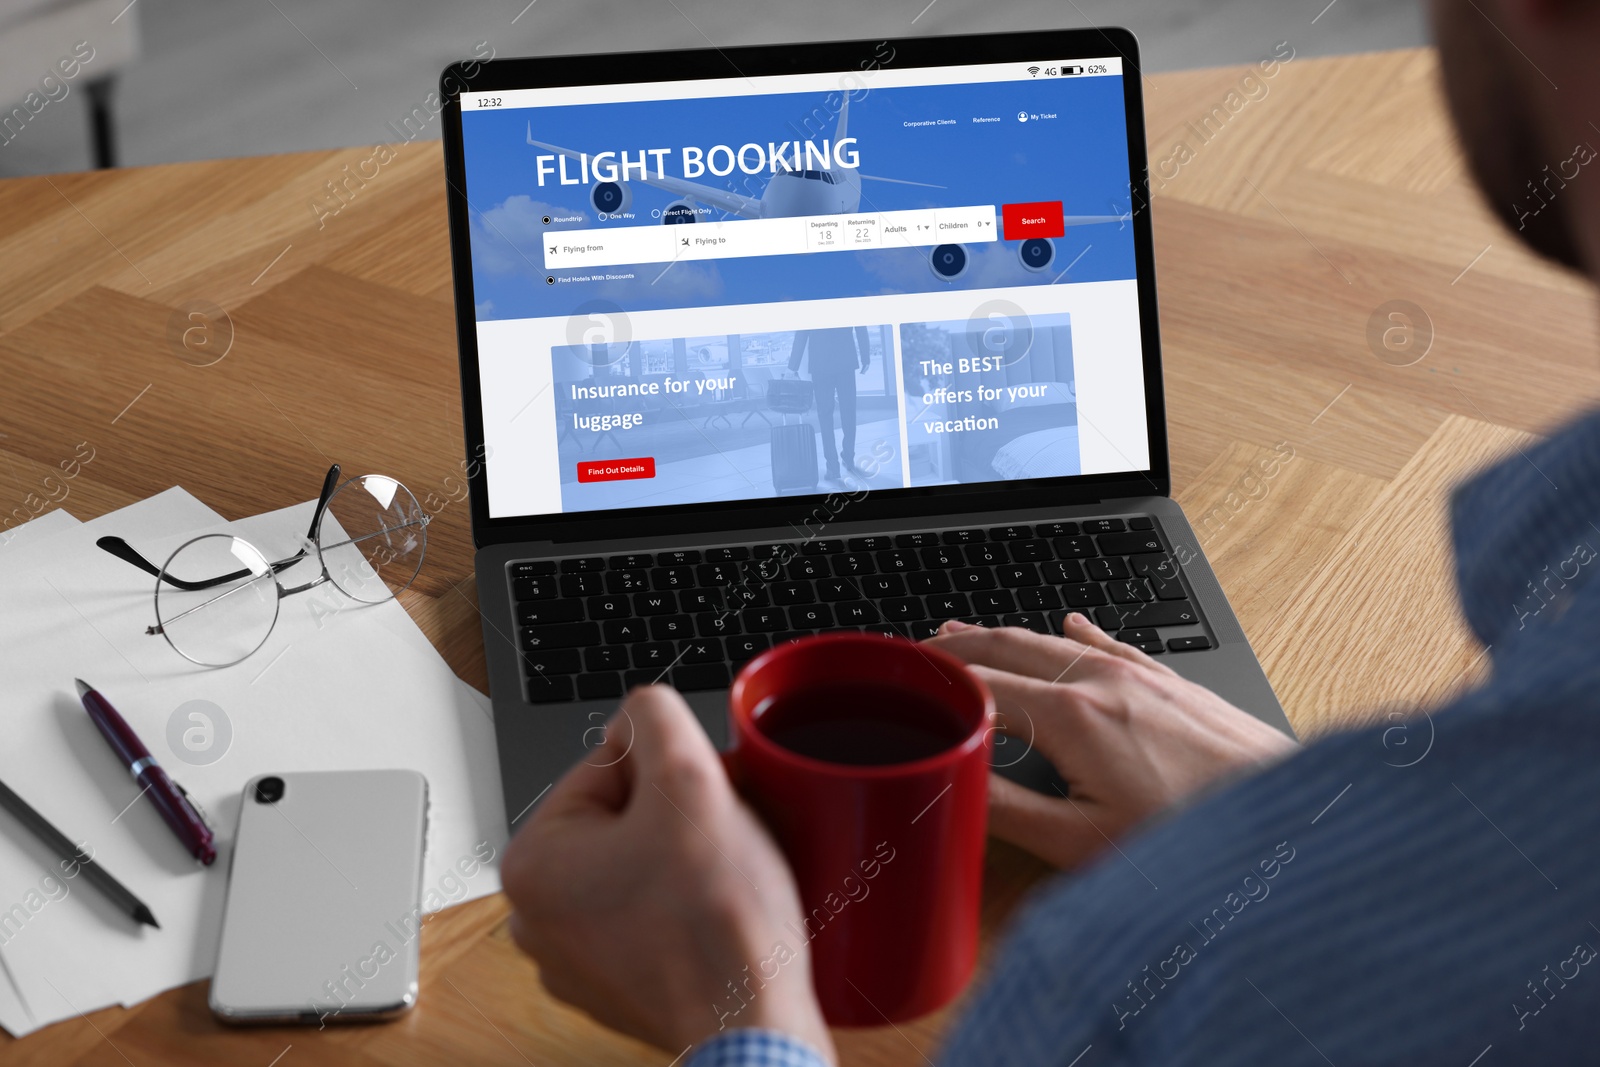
{"x": 670, "y": 627}
{"x": 586, "y": 584}
{"x": 921, "y": 631}
{"x": 717, "y": 623}
{"x": 746, "y": 647}
{"x": 1138, "y": 635}
{"x": 833, "y": 589}
{"x": 1087, "y": 595}
{"x": 811, "y": 617}
{"x": 764, "y": 620}
{"x": 634, "y": 581}
{"x": 970, "y": 578}
{"x": 807, "y": 567}
{"x": 695, "y": 600}
{"x": 1103, "y": 526}
{"x": 579, "y": 566}
{"x": 605, "y": 658}
{"x": 986, "y": 555}
{"x": 995, "y": 602}
{"x": 1016, "y": 576}
{"x": 624, "y": 631}
{"x": 963, "y": 537}
{"x": 887, "y": 629}
{"x": 746, "y": 596}
{"x": 608, "y": 606}
{"x": 855, "y": 613}
{"x": 1055, "y": 529}
{"x": 1141, "y": 522}
{"x": 1105, "y": 570}
{"x": 607, "y": 686}
{"x": 1062, "y": 572}
{"x": 727, "y": 555}
{"x": 1028, "y": 620}
{"x": 700, "y": 650}
{"x": 533, "y": 588}
{"x": 929, "y": 582}
{"x": 1041, "y": 599}
{"x": 551, "y": 661}
{"x": 701, "y": 676}
{"x": 1161, "y": 613}
{"x": 1010, "y": 533}
{"x": 1188, "y": 644}
{"x": 680, "y": 577}
{"x": 560, "y": 635}
{"x": 551, "y": 689}
{"x": 678, "y": 559}
{"x": 898, "y": 562}
{"x": 1130, "y": 591}
{"x": 948, "y": 606}
{"x": 1075, "y": 547}
{"x": 1035, "y": 551}
{"x": 1126, "y": 544}
{"x": 902, "y": 609}
{"x": 821, "y": 547}
{"x": 1168, "y": 589}
{"x": 643, "y": 676}
{"x": 655, "y": 603}
{"x": 532, "y": 568}
{"x": 853, "y": 564}
{"x": 654, "y": 654}
{"x": 776, "y": 550}
{"x": 882, "y": 585}
{"x": 718, "y": 573}
{"x": 1154, "y": 565}
{"x": 536, "y": 612}
{"x": 1152, "y": 648}
{"x": 915, "y": 540}
{"x": 633, "y": 562}
{"x": 868, "y": 544}
{"x": 785, "y": 593}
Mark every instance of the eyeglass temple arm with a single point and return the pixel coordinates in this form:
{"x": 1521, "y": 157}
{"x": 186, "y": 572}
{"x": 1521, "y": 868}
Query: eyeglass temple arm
{"x": 128, "y": 554}
{"x": 329, "y": 484}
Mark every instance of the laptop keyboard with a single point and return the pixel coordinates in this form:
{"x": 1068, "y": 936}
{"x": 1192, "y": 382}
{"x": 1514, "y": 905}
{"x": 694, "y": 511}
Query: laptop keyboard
{"x": 591, "y": 627}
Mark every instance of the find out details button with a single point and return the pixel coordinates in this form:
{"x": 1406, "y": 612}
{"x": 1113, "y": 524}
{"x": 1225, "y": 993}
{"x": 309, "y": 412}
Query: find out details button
{"x": 616, "y": 470}
{"x": 1027, "y": 221}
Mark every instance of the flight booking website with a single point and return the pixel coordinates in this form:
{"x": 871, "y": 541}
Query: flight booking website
{"x": 708, "y": 291}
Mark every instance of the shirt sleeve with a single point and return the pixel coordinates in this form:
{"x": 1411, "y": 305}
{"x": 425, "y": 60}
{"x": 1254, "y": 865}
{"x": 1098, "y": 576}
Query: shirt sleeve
{"x": 755, "y": 1048}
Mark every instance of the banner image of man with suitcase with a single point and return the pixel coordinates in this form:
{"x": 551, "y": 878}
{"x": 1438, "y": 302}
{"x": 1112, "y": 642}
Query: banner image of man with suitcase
{"x": 836, "y": 355}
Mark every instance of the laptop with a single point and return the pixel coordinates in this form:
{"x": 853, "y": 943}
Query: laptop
{"x": 763, "y": 342}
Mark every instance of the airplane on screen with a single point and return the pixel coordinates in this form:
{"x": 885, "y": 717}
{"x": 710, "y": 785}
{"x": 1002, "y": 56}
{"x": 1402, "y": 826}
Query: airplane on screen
{"x": 792, "y": 192}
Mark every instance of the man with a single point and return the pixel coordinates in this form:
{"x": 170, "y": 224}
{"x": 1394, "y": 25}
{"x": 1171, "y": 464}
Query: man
{"x": 1421, "y": 893}
{"x": 835, "y": 355}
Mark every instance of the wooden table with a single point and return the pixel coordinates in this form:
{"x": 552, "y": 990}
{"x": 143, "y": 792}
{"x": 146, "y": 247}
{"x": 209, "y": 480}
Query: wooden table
{"x": 1283, "y": 229}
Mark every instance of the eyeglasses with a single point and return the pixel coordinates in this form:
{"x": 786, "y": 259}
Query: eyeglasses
{"x": 368, "y": 535}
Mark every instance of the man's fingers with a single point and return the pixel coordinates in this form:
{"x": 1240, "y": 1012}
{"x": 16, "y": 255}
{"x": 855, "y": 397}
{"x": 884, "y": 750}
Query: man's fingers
{"x": 1049, "y": 827}
{"x": 1080, "y": 628}
{"x": 1051, "y": 717}
{"x": 1022, "y": 652}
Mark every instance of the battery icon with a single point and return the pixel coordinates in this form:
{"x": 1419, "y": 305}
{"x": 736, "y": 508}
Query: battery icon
{"x": 1071, "y": 70}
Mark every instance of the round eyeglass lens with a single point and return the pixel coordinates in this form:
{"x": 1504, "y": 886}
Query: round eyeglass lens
{"x": 373, "y": 537}
{"x": 222, "y": 600}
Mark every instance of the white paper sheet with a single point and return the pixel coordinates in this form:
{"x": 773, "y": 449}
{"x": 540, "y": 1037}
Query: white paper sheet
{"x": 348, "y": 688}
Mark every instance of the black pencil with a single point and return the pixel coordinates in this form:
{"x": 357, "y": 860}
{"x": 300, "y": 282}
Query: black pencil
{"x": 64, "y": 848}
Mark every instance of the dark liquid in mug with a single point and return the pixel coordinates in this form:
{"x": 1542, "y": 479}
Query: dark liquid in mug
{"x": 859, "y": 723}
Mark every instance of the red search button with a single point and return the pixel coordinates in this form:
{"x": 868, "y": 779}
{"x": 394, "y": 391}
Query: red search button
{"x": 1039, "y": 219}
{"x": 616, "y": 470}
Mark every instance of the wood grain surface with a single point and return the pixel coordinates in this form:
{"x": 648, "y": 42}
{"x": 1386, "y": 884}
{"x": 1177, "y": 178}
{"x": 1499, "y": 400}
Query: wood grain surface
{"x": 1287, "y": 225}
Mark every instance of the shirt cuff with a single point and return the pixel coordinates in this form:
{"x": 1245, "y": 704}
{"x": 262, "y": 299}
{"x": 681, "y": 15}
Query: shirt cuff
{"x": 755, "y": 1048}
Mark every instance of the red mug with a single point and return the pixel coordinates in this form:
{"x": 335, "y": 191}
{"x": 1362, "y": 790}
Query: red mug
{"x": 887, "y": 850}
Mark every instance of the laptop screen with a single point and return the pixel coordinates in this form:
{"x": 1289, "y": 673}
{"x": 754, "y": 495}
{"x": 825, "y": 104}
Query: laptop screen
{"x": 741, "y": 288}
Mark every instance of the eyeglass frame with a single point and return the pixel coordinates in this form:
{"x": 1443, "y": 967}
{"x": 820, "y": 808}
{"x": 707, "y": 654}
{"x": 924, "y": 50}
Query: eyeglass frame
{"x": 120, "y": 548}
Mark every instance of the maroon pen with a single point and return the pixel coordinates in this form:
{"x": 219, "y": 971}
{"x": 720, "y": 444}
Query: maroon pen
{"x": 168, "y": 796}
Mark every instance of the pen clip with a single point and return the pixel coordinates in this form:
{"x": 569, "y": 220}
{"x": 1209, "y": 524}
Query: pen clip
{"x": 193, "y": 803}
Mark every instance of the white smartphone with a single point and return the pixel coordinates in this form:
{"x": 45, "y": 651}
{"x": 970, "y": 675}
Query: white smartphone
{"x": 324, "y": 908}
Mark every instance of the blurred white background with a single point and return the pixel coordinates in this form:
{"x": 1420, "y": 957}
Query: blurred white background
{"x": 201, "y": 79}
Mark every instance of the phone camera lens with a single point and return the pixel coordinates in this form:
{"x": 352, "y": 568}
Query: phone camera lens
{"x": 269, "y": 790}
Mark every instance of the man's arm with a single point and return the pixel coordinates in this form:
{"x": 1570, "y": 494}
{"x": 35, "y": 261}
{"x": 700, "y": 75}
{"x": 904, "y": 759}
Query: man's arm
{"x": 864, "y": 346}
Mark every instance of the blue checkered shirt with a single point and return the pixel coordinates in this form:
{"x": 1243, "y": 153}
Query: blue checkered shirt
{"x": 1425, "y": 891}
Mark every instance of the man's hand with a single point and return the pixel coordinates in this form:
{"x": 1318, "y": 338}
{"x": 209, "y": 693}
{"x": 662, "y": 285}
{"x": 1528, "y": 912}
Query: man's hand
{"x": 1127, "y": 734}
{"x": 645, "y": 888}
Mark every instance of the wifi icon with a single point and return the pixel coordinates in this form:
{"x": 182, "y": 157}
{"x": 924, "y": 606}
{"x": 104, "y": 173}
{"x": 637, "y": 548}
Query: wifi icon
{"x": 1033, "y": 71}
